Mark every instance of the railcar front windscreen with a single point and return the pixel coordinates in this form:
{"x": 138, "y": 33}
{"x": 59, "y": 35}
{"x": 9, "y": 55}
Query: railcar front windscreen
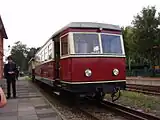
{"x": 86, "y": 43}
{"x": 111, "y": 44}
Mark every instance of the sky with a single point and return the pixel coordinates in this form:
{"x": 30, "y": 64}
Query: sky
{"x": 34, "y": 21}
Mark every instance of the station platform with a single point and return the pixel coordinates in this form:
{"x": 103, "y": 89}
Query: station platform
{"x": 30, "y": 104}
{"x": 143, "y": 81}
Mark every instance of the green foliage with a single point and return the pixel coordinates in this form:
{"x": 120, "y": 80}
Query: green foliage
{"x": 18, "y": 52}
{"x": 143, "y": 36}
{"x": 146, "y": 31}
{"x": 28, "y": 78}
{"x": 128, "y": 36}
{"x": 31, "y": 53}
{"x": 22, "y": 54}
{"x": 141, "y": 100}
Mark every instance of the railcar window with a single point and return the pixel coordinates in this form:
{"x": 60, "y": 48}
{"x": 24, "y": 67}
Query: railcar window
{"x": 42, "y": 58}
{"x": 86, "y": 43}
{"x": 38, "y": 57}
{"x": 50, "y": 51}
{"x": 64, "y": 45}
{"x": 45, "y": 54}
{"x": 111, "y": 44}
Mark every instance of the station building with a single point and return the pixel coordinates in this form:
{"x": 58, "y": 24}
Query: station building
{"x": 3, "y": 36}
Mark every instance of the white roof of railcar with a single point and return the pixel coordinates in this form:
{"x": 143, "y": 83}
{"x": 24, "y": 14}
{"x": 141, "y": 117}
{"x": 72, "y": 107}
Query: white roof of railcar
{"x": 88, "y": 25}
{"x": 84, "y": 25}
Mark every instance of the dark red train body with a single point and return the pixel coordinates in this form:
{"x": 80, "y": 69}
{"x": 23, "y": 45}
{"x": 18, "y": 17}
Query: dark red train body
{"x": 83, "y": 58}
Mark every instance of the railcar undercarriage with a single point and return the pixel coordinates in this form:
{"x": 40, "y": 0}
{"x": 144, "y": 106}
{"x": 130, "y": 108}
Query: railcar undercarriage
{"x": 96, "y": 91}
{"x": 93, "y": 90}
{"x": 100, "y": 94}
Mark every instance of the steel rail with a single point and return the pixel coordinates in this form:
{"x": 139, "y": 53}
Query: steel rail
{"x": 149, "y": 88}
{"x": 142, "y": 91}
{"x": 153, "y": 90}
{"x": 133, "y": 114}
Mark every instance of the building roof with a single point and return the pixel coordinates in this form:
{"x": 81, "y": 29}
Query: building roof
{"x": 2, "y": 29}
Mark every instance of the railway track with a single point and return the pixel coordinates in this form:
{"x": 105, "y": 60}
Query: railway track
{"x": 147, "y": 89}
{"x": 128, "y": 112}
{"x": 99, "y": 113}
{"x": 66, "y": 111}
{"x": 111, "y": 111}
{"x": 88, "y": 114}
{"x": 76, "y": 112}
{"x": 106, "y": 111}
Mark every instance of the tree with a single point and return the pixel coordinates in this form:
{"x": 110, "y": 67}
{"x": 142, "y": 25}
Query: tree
{"x": 19, "y": 52}
{"x": 22, "y": 54}
{"x": 146, "y": 32}
{"x": 130, "y": 45}
{"x": 128, "y": 37}
{"x": 31, "y": 53}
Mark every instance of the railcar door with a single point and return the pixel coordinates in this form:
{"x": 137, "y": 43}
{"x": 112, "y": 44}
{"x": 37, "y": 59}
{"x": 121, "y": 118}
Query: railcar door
{"x": 57, "y": 57}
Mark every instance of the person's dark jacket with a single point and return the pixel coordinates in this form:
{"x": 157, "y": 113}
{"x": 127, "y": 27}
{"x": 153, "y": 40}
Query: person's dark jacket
{"x": 8, "y": 68}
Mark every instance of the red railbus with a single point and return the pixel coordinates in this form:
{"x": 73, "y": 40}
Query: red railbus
{"x": 84, "y": 58}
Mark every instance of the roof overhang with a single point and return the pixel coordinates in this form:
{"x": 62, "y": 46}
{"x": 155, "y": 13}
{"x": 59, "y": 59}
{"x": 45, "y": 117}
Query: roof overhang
{"x": 2, "y": 29}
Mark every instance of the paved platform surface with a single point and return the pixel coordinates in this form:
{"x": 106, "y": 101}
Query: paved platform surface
{"x": 143, "y": 81}
{"x": 29, "y": 105}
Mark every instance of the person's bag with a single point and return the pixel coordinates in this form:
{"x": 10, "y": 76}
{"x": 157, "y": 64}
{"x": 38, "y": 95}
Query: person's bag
{"x": 3, "y": 100}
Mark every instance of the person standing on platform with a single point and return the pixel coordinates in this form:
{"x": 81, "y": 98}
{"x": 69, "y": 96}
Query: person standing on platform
{"x": 10, "y": 70}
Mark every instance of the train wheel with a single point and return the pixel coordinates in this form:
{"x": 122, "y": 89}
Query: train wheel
{"x": 68, "y": 98}
{"x": 99, "y": 95}
{"x": 63, "y": 94}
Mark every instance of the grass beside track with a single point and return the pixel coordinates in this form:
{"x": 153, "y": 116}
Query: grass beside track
{"x": 28, "y": 78}
{"x": 139, "y": 101}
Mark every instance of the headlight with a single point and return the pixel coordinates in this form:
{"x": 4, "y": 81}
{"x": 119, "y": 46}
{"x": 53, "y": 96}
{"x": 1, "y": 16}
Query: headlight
{"x": 116, "y": 72}
{"x": 88, "y": 72}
